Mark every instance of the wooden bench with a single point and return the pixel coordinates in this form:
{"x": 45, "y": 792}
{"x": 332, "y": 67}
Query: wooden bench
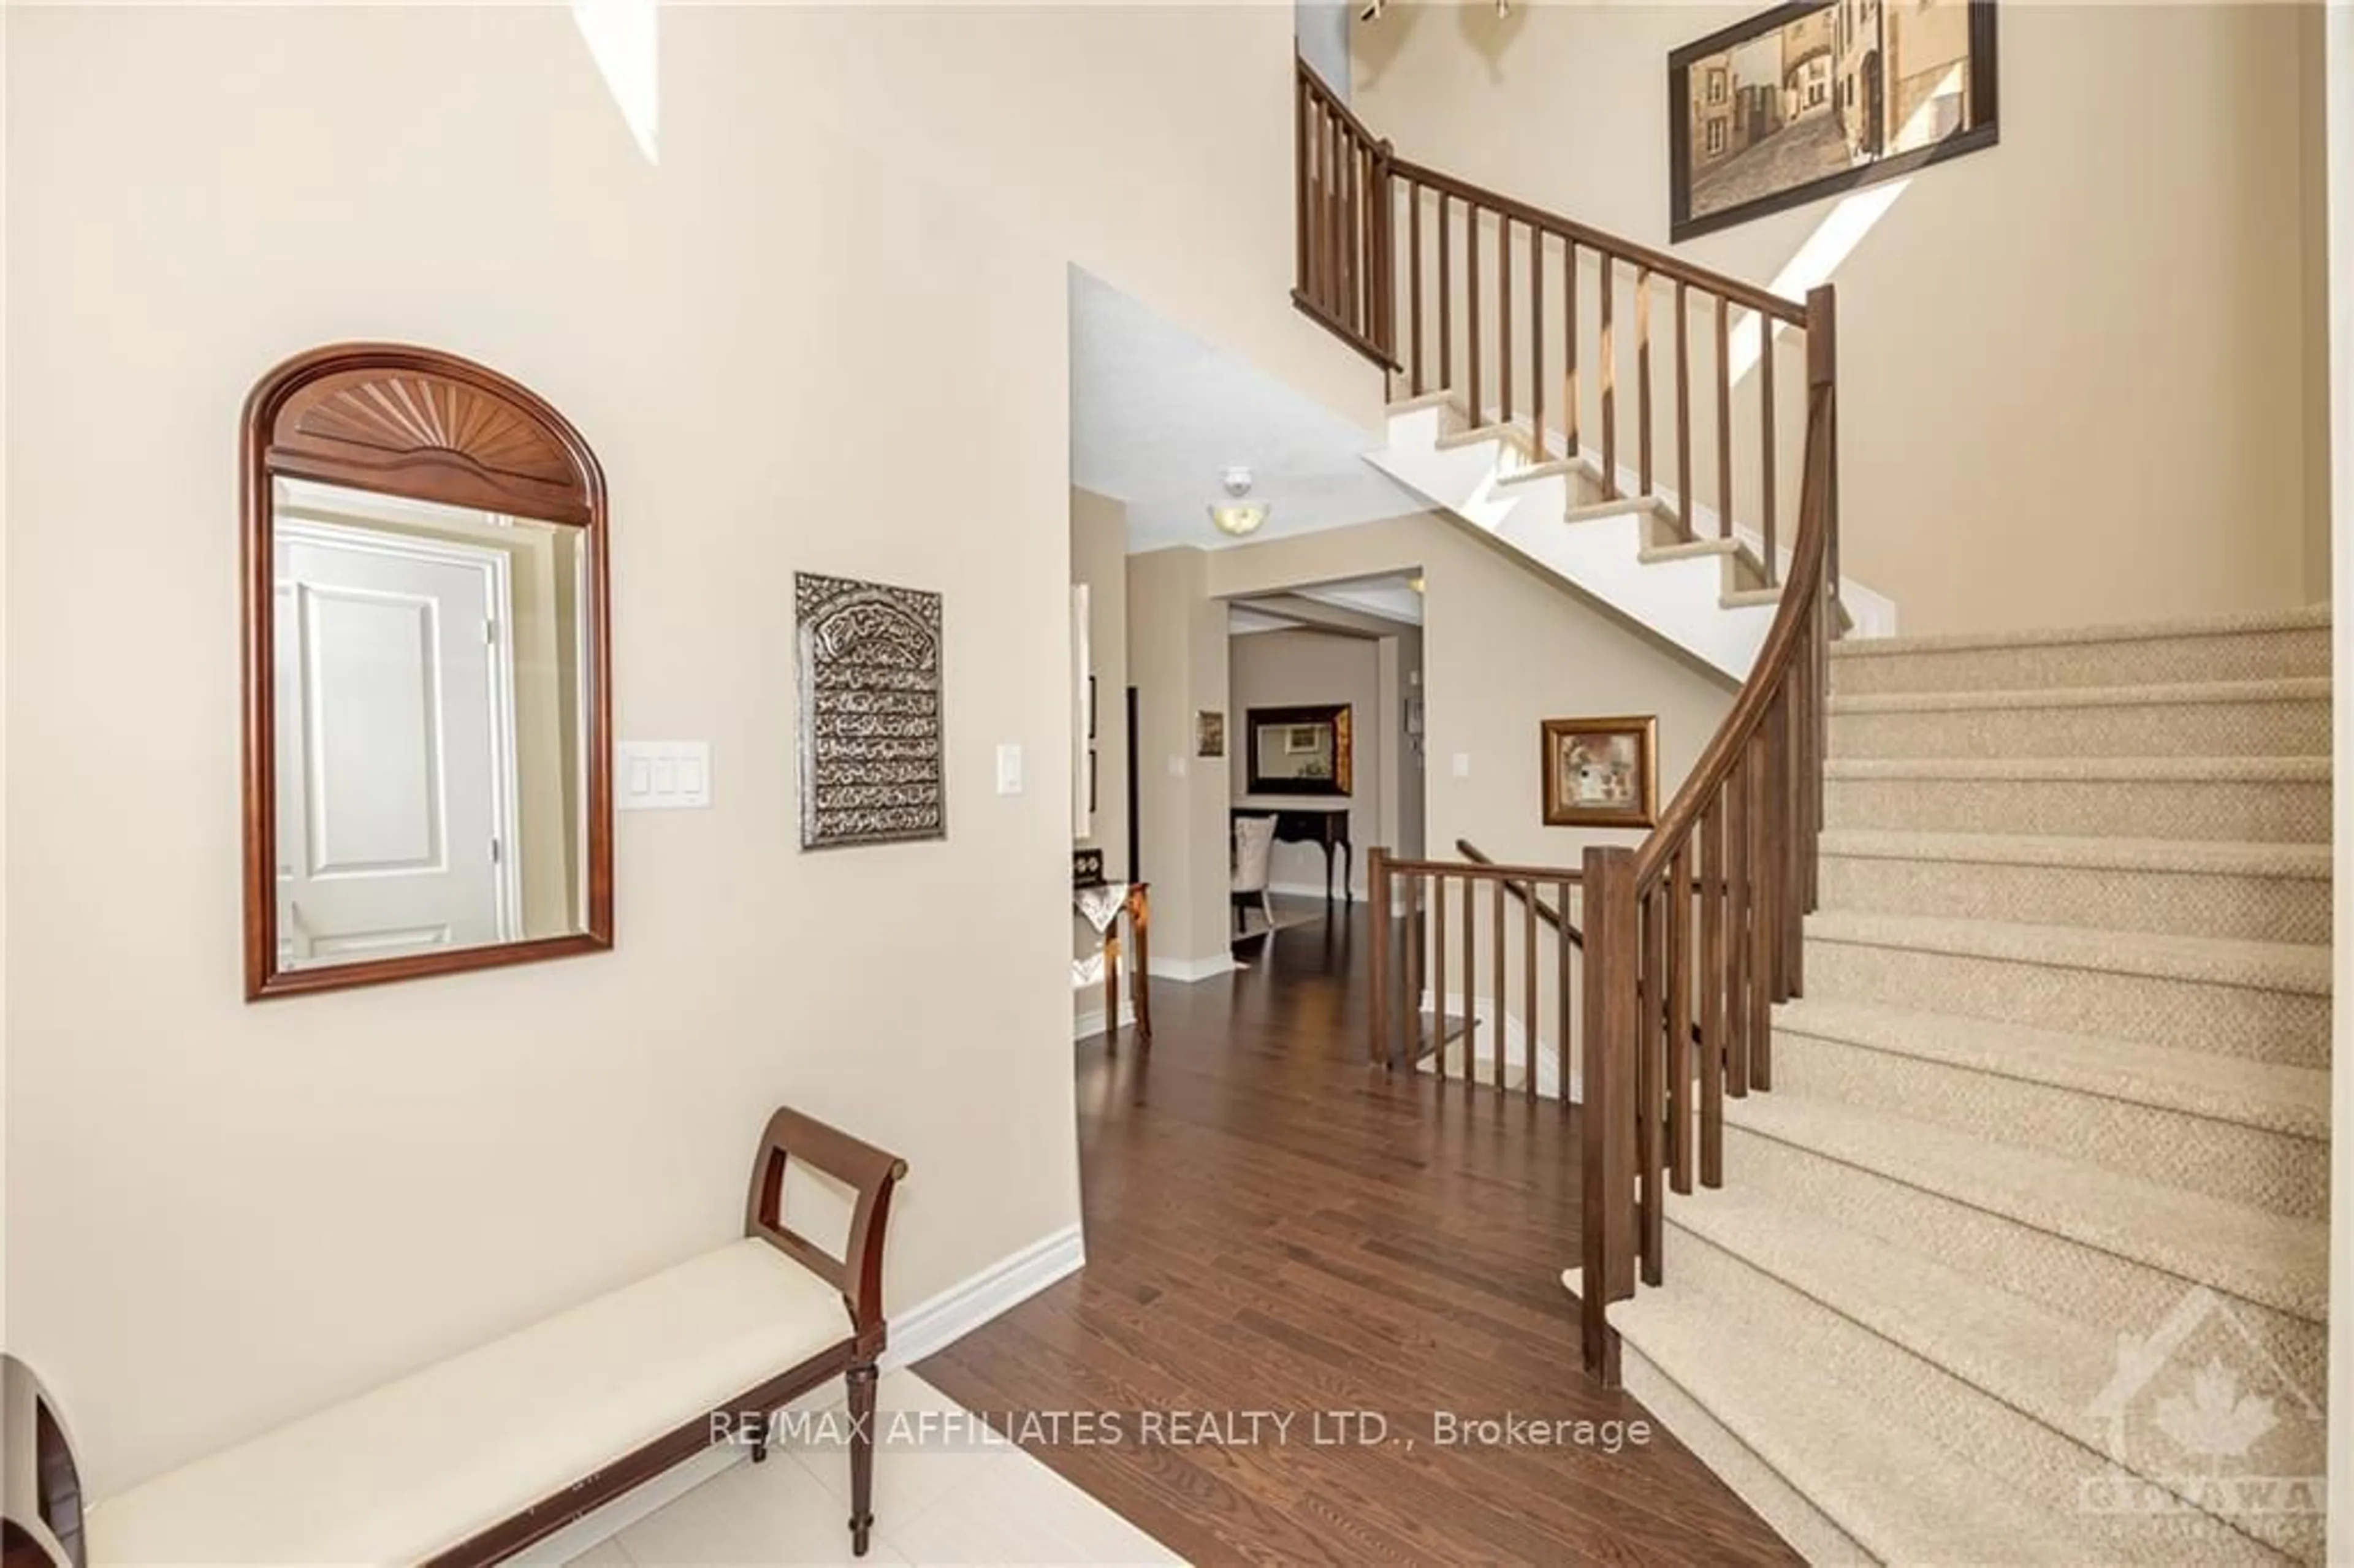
{"x": 477, "y": 1456}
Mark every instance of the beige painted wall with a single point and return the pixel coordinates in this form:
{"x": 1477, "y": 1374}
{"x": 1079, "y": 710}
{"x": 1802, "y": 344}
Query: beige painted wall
{"x": 1100, "y": 559}
{"x": 1177, "y": 662}
{"x": 341, "y": 1188}
{"x": 2073, "y": 374}
{"x": 1291, "y": 668}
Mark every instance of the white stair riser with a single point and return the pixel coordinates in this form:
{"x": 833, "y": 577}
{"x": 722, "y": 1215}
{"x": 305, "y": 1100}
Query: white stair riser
{"x": 2248, "y": 811}
{"x": 2225, "y": 1160}
{"x": 2186, "y": 904}
{"x": 2298, "y": 727}
{"x": 2103, "y": 1288}
{"x": 1795, "y": 1519}
{"x": 2169, "y": 659}
{"x": 2266, "y": 1025}
{"x": 2043, "y": 1464}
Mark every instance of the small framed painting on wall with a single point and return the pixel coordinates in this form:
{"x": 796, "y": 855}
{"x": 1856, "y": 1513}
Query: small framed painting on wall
{"x": 1601, "y": 772}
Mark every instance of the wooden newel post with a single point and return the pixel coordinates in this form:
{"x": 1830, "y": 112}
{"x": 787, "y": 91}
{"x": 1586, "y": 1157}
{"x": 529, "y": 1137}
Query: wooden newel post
{"x": 1822, "y": 376}
{"x": 1378, "y": 883}
{"x": 1606, "y": 1135}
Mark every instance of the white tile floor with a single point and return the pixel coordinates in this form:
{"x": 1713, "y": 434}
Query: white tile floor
{"x": 932, "y": 1504}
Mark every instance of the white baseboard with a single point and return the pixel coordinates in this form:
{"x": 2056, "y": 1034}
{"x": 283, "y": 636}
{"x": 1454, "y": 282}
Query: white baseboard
{"x": 914, "y": 1334}
{"x": 1188, "y": 971}
{"x": 936, "y": 1324}
{"x": 1089, "y": 1021}
{"x": 1310, "y": 890}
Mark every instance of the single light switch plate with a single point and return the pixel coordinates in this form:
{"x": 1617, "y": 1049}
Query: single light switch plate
{"x": 1463, "y": 764}
{"x": 662, "y": 775}
{"x": 1009, "y": 767}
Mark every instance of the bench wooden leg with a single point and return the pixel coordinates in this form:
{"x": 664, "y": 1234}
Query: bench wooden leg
{"x": 862, "y": 1456}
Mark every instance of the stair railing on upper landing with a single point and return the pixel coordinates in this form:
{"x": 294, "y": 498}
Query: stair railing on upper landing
{"x": 1689, "y": 937}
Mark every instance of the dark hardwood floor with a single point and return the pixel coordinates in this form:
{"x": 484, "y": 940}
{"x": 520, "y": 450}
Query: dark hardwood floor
{"x": 1274, "y": 1226}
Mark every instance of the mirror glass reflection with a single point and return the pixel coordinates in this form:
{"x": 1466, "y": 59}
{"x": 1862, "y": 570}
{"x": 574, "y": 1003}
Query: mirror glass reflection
{"x": 428, "y": 719}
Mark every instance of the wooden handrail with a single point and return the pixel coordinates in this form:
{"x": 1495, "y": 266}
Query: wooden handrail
{"x": 1522, "y": 893}
{"x": 1674, "y": 267}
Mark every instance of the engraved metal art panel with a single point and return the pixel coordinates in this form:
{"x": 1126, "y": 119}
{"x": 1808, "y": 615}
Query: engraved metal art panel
{"x": 870, "y": 713}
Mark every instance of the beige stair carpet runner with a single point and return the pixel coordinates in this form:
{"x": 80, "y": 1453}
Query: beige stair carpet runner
{"x": 2023, "y": 1258}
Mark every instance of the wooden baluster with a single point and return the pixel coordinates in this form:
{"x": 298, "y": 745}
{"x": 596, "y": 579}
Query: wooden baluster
{"x": 1683, "y": 415}
{"x": 1680, "y": 1015}
{"x": 1650, "y": 1091}
{"x": 1352, "y": 236}
{"x": 1335, "y": 222}
{"x": 1470, "y": 980}
{"x": 1504, "y": 315}
{"x": 1793, "y": 744}
{"x": 1570, "y": 404}
{"x": 1567, "y": 998}
{"x": 1643, "y": 374}
{"x": 1536, "y": 355}
{"x": 1723, "y": 423}
{"x": 1606, "y": 1154}
{"x": 1501, "y": 992}
{"x": 1530, "y": 1023}
{"x": 1607, "y": 374}
{"x": 1414, "y": 279}
{"x": 1735, "y": 799}
{"x": 1445, "y": 302}
{"x": 1822, "y": 372}
{"x": 1416, "y": 934}
{"x": 1300, "y": 129}
{"x": 1378, "y": 883}
{"x": 1439, "y": 971}
{"x": 1765, "y": 438}
{"x": 1472, "y": 404}
{"x": 1712, "y": 994}
{"x": 1762, "y": 914}
{"x": 1381, "y": 239}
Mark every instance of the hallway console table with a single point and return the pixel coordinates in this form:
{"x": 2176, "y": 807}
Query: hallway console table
{"x": 1324, "y": 826}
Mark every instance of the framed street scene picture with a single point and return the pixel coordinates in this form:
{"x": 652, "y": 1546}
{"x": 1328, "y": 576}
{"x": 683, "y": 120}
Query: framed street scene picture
{"x": 1809, "y": 100}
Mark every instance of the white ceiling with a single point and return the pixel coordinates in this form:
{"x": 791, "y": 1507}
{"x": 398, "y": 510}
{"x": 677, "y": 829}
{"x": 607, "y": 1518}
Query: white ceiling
{"x": 1158, "y": 415}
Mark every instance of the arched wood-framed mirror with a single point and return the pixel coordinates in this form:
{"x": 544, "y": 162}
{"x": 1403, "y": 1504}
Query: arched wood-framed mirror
{"x": 427, "y": 710}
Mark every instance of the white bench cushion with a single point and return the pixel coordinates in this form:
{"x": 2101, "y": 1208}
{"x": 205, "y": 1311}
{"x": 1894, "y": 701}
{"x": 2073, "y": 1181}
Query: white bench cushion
{"x": 418, "y": 1465}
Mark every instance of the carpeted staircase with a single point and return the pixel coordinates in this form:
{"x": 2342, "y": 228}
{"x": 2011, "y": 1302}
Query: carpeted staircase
{"x": 2023, "y": 1256}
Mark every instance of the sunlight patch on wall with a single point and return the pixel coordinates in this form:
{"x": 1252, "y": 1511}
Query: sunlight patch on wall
{"x": 1841, "y": 231}
{"x": 621, "y": 39}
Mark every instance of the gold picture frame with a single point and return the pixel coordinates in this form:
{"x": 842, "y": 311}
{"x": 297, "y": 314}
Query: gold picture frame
{"x": 1601, "y": 772}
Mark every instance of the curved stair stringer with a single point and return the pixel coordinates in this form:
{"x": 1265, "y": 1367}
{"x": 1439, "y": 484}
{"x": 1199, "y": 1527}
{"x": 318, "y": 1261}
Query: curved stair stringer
{"x": 1707, "y": 595}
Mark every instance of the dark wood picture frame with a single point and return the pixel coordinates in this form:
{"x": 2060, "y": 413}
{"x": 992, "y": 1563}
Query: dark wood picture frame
{"x": 1983, "y": 129}
{"x": 421, "y": 424}
{"x": 1555, "y": 735}
{"x": 1338, "y": 716}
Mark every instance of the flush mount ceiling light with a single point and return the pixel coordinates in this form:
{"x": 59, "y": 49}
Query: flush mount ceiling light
{"x": 1237, "y": 517}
